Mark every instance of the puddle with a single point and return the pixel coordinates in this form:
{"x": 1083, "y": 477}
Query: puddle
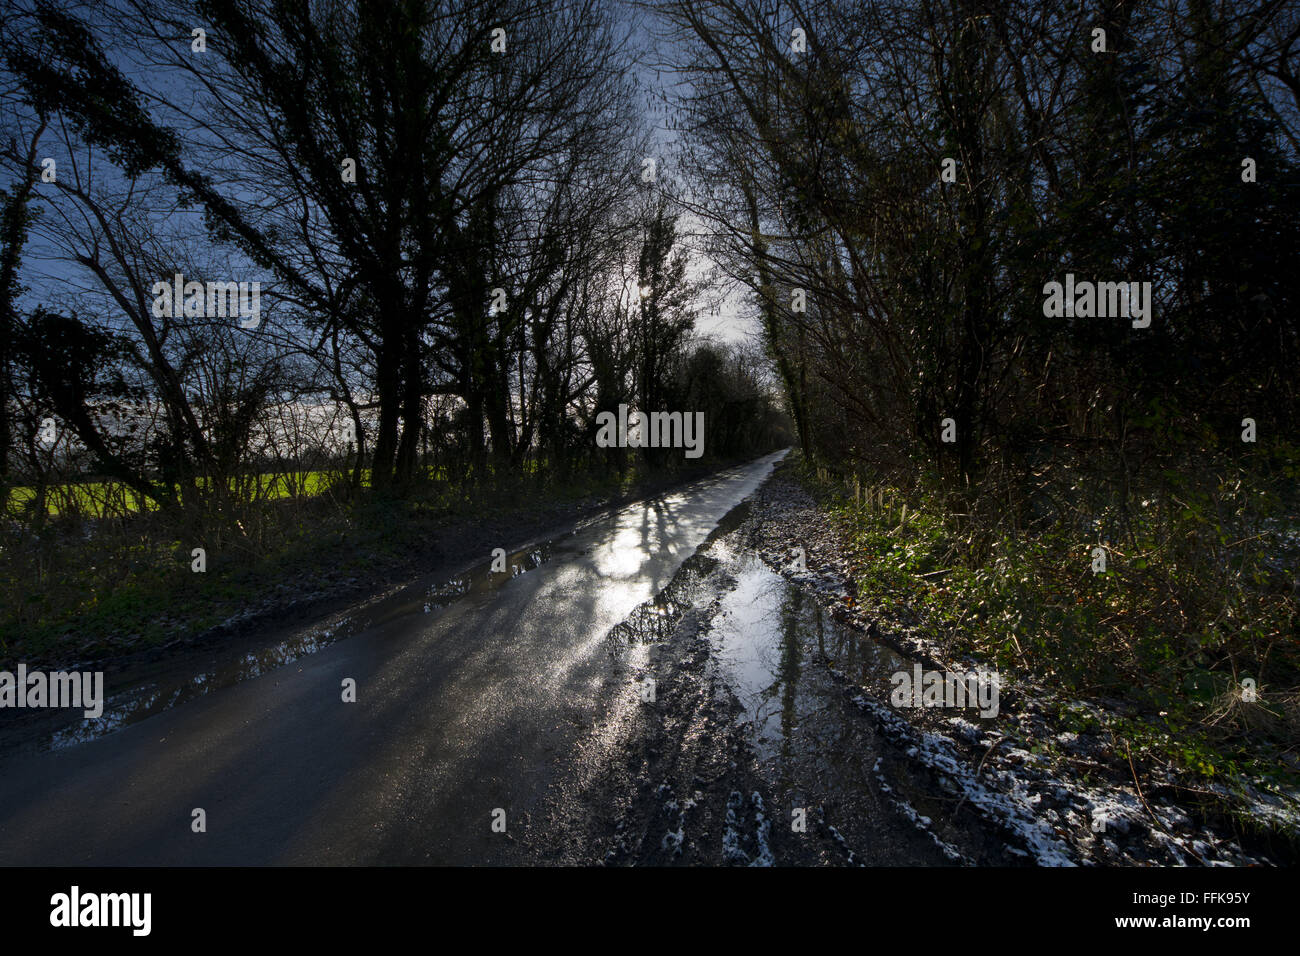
{"x": 654, "y": 620}
{"x": 769, "y": 639}
{"x": 767, "y": 635}
{"x": 799, "y": 675}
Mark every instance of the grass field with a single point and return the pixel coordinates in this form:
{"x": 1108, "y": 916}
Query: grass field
{"x": 96, "y": 499}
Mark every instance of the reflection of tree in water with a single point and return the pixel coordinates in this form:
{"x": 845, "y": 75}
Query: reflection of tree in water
{"x": 856, "y": 655}
{"x": 791, "y": 621}
{"x": 821, "y": 631}
{"x": 648, "y": 623}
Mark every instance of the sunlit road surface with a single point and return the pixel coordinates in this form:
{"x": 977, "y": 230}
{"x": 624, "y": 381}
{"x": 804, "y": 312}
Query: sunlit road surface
{"x": 460, "y": 712}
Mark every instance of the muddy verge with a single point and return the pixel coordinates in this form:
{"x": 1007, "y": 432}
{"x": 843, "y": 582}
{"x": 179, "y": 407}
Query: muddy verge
{"x": 1060, "y": 797}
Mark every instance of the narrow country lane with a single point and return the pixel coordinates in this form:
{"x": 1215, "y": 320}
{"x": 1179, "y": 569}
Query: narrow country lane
{"x": 460, "y": 711}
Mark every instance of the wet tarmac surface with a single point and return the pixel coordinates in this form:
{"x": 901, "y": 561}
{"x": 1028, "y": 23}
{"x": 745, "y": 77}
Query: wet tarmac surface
{"x": 140, "y": 689}
{"x": 469, "y": 697}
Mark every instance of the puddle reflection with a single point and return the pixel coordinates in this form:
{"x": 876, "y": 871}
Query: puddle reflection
{"x": 765, "y": 636}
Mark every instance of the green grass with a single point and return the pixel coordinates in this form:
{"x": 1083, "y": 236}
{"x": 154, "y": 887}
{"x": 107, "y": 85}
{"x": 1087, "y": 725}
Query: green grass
{"x": 98, "y": 499}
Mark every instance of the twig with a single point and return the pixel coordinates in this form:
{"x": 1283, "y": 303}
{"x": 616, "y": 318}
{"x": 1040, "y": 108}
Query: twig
{"x": 1159, "y": 822}
{"x": 977, "y": 773}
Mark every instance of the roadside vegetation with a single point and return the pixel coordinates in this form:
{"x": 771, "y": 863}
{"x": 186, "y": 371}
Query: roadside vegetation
{"x": 907, "y": 197}
{"x": 1188, "y": 640}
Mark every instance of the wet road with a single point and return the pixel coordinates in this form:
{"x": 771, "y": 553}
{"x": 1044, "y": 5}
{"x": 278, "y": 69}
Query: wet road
{"x": 469, "y": 703}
